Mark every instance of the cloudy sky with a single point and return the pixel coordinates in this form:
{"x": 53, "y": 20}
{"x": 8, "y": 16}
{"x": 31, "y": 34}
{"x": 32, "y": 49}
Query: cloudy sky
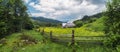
{"x": 64, "y": 10}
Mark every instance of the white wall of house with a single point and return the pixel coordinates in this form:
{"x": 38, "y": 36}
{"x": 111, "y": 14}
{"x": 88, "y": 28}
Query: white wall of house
{"x": 66, "y": 25}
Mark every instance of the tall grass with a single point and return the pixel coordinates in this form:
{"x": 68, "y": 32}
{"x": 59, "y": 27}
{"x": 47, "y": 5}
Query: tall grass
{"x": 44, "y": 45}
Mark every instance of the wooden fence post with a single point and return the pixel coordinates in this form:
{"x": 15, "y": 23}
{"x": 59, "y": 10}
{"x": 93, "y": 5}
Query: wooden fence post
{"x": 73, "y": 41}
{"x": 39, "y": 30}
{"x": 42, "y": 33}
{"x": 51, "y": 35}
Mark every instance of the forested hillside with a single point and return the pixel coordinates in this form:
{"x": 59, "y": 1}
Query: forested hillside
{"x": 88, "y": 19}
{"x": 42, "y": 21}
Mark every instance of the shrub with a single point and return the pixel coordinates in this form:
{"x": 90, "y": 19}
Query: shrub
{"x": 26, "y": 39}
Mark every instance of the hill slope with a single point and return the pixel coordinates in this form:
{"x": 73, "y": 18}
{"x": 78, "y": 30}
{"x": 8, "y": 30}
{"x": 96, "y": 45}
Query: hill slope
{"x": 41, "y": 21}
{"x": 87, "y": 19}
{"x": 96, "y": 26}
{"x": 45, "y": 20}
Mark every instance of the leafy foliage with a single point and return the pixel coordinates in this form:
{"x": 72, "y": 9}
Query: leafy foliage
{"x": 13, "y": 17}
{"x": 112, "y": 22}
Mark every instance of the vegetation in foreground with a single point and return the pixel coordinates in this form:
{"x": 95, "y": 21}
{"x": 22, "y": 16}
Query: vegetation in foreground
{"x": 13, "y": 17}
{"x": 32, "y": 41}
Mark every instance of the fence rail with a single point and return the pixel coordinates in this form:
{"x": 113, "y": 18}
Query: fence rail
{"x": 73, "y": 38}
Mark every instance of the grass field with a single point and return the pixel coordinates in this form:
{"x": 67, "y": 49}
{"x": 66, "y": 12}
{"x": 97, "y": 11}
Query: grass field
{"x": 14, "y": 44}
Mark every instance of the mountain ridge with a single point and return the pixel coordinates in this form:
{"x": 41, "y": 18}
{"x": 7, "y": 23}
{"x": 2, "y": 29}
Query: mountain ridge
{"x": 47, "y": 20}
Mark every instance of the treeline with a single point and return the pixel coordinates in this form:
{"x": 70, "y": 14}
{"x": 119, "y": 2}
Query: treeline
{"x": 13, "y": 17}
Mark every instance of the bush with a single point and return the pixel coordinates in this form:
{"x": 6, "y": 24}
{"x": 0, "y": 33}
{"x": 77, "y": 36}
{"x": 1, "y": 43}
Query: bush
{"x": 28, "y": 39}
{"x": 3, "y": 41}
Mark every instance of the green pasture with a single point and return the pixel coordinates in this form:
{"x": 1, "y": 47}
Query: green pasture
{"x": 68, "y": 31}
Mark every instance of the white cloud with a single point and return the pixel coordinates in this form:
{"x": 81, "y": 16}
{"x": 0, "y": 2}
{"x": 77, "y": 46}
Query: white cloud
{"x": 32, "y": 4}
{"x": 26, "y": 1}
{"x": 38, "y": 14}
{"x": 56, "y": 9}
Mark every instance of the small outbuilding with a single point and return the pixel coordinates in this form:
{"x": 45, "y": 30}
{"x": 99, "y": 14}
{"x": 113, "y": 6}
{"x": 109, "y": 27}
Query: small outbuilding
{"x": 67, "y": 25}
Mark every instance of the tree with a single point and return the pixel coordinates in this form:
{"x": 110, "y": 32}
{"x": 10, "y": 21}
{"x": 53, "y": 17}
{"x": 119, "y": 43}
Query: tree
{"x": 13, "y": 17}
{"x": 112, "y": 23}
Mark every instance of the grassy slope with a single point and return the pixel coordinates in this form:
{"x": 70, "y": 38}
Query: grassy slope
{"x": 96, "y": 26}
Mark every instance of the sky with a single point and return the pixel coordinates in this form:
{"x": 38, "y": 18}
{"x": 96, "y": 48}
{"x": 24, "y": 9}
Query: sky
{"x": 64, "y": 10}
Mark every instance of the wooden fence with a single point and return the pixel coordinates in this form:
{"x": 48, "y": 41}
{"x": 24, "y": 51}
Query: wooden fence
{"x": 74, "y": 39}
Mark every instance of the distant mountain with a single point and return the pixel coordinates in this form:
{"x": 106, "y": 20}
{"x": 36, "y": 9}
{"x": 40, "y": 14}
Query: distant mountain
{"x": 45, "y": 20}
{"x": 88, "y": 19}
{"x": 42, "y": 21}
